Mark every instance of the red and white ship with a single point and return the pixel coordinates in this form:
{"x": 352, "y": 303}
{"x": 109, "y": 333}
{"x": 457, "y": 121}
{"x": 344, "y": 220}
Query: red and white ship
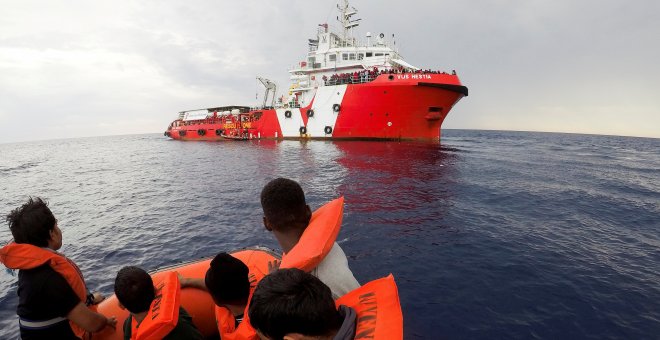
{"x": 345, "y": 89}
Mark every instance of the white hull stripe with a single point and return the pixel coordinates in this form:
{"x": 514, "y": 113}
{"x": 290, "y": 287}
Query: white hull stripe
{"x": 39, "y": 324}
{"x": 290, "y": 126}
{"x": 326, "y": 97}
{"x": 324, "y": 100}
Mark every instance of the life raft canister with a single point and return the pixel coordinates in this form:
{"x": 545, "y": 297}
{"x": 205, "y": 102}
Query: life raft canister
{"x": 257, "y": 261}
{"x": 287, "y": 114}
{"x": 336, "y": 107}
{"x": 26, "y": 256}
{"x": 163, "y": 313}
{"x": 317, "y": 239}
{"x": 378, "y": 309}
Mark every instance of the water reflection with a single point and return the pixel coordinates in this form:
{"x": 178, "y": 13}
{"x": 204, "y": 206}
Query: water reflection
{"x": 389, "y": 176}
{"x": 373, "y": 176}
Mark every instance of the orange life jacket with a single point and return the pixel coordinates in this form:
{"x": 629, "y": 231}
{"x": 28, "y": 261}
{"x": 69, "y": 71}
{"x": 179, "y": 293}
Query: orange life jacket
{"x": 227, "y": 324}
{"x": 378, "y": 309}
{"x": 26, "y": 256}
{"x": 317, "y": 239}
{"x": 257, "y": 263}
{"x": 163, "y": 313}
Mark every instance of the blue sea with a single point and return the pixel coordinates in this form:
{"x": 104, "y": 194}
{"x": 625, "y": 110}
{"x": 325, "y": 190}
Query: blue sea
{"x": 489, "y": 234}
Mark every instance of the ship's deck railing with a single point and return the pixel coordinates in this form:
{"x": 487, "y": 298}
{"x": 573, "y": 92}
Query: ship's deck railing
{"x": 351, "y": 79}
{"x": 291, "y": 104}
{"x": 228, "y": 118}
{"x": 368, "y": 76}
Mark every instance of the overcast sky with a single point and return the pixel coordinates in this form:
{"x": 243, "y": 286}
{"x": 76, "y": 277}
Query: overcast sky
{"x": 92, "y": 68}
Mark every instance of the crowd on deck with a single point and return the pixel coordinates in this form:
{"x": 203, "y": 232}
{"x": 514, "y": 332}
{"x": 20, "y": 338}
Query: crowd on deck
{"x": 371, "y": 74}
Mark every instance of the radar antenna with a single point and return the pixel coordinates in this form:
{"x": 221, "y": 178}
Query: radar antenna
{"x": 346, "y": 13}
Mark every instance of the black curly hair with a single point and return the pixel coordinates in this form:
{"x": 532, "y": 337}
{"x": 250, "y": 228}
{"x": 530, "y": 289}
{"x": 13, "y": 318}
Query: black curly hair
{"x": 292, "y": 301}
{"x": 32, "y": 222}
{"x": 283, "y": 202}
{"x": 134, "y": 289}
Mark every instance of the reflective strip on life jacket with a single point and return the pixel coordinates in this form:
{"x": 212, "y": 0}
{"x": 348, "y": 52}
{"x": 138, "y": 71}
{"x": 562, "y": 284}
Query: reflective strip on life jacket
{"x": 378, "y": 309}
{"x": 163, "y": 313}
{"x": 27, "y": 324}
{"x": 26, "y": 256}
{"x": 317, "y": 239}
{"x": 257, "y": 262}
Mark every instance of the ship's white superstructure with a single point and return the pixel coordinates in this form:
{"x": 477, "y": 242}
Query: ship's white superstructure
{"x": 333, "y": 52}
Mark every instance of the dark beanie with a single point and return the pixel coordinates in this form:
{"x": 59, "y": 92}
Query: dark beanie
{"x": 227, "y": 280}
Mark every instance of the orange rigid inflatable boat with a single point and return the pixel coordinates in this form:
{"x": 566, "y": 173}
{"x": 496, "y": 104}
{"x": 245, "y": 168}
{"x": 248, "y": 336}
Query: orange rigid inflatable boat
{"x": 197, "y": 303}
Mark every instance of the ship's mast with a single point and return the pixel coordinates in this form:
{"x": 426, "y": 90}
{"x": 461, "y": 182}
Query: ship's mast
{"x": 346, "y": 13}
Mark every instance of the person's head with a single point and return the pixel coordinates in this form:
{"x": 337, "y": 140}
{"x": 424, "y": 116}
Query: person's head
{"x": 285, "y": 209}
{"x": 290, "y": 303}
{"x": 134, "y": 289}
{"x": 33, "y": 223}
{"x": 227, "y": 281}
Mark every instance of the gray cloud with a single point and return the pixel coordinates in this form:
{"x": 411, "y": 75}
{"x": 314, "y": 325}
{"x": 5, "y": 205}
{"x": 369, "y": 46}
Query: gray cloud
{"x": 76, "y": 68}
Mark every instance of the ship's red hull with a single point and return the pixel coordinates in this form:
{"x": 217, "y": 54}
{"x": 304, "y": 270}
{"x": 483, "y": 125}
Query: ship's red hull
{"x": 407, "y": 106}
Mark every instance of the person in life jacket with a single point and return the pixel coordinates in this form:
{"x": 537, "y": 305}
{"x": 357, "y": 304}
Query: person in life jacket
{"x": 53, "y": 300}
{"x": 294, "y": 305}
{"x": 231, "y": 282}
{"x": 155, "y": 310}
{"x": 289, "y": 218}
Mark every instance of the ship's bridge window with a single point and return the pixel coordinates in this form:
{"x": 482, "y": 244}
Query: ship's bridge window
{"x": 379, "y": 54}
{"x": 332, "y": 57}
{"x": 351, "y": 56}
{"x": 360, "y": 56}
{"x": 344, "y": 56}
{"x": 369, "y": 54}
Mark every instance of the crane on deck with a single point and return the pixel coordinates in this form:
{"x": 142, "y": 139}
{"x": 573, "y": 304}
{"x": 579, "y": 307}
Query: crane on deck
{"x": 269, "y": 85}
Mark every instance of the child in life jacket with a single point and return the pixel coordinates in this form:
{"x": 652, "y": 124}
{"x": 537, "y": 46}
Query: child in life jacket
{"x": 53, "y": 300}
{"x": 294, "y": 305}
{"x": 149, "y": 305}
{"x": 287, "y": 216}
{"x": 230, "y": 283}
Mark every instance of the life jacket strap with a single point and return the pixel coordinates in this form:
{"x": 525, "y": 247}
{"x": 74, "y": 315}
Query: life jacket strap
{"x": 29, "y": 324}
